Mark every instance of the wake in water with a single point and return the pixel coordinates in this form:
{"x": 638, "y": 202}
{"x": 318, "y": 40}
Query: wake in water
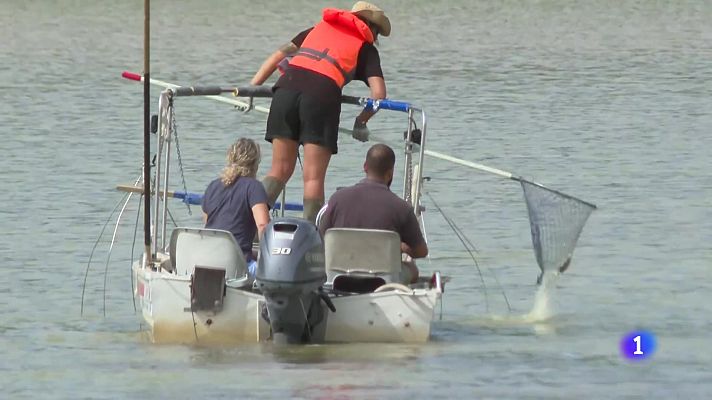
{"x": 541, "y": 317}
{"x": 543, "y": 309}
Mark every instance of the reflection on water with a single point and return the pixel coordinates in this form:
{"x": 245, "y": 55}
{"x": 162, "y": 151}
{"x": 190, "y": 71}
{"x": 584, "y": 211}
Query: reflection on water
{"x": 286, "y": 355}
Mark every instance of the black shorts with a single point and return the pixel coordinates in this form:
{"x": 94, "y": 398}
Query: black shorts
{"x": 304, "y": 118}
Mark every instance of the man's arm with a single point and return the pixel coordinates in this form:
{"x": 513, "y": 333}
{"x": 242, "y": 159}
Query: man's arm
{"x": 271, "y": 62}
{"x": 420, "y": 250}
{"x": 413, "y": 241}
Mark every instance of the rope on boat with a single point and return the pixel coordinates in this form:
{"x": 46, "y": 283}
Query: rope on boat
{"x": 430, "y": 260}
{"x": 469, "y": 247}
{"x": 111, "y": 247}
{"x": 306, "y": 319}
{"x": 133, "y": 246}
{"x": 96, "y": 243}
{"x": 174, "y": 128}
{"x": 195, "y": 324}
{"x": 464, "y": 244}
{"x": 91, "y": 255}
{"x": 173, "y": 220}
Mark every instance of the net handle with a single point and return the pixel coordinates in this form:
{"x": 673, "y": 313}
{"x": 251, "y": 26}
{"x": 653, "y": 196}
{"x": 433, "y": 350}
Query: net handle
{"x": 501, "y": 173}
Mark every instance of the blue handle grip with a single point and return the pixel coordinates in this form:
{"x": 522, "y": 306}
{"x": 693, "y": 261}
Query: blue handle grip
{"x": 386, "y": 104}
{"x": 189, "y": 198}
{"x": 289, "y": 206}
{"x": 377, "y": 104}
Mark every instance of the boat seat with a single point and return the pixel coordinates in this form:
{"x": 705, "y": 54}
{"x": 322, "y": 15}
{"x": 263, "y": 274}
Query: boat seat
{"x": 214, "y": 248}
{"x": 362, "y": 254}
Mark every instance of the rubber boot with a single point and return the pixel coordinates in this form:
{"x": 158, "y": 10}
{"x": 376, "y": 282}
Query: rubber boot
{"x": 311, "y": 208}
{"x": 273, "y": 187}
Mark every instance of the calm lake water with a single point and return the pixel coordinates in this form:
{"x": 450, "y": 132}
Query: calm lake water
{"x": 610, "y": 101}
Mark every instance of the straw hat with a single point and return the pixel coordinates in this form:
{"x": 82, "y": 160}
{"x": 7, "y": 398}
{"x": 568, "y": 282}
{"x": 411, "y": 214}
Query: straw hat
{"x": 374, "y": 15}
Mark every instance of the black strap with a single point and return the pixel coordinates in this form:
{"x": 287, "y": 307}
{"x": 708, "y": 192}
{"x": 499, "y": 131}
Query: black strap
{"x": 323, "y": 55}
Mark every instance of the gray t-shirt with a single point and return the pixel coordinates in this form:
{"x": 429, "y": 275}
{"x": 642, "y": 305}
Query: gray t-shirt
{"x": 230, "y": 208}
{"x": 372, "y": 205}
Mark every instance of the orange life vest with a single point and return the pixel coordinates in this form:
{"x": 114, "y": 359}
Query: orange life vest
{"x": 332, "y": 47}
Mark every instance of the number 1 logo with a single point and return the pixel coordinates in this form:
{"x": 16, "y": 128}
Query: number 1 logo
{"x": 638, "y": 345}
{"x": 637, "y": 351}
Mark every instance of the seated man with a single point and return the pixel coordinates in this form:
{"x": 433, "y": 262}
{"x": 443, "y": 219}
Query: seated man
{"x": 370, "y": 204}
{"x": 236, "y": 201}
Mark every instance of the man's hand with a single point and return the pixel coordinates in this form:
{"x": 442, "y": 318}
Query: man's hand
{"x": 360, "y": 131}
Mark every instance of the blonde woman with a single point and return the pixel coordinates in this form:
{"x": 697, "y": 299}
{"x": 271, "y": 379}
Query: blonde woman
{"x": 236, "y": 201}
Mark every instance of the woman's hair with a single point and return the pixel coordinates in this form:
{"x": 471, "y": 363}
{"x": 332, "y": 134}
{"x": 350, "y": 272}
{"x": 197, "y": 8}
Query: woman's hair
{"x": 243, "y": 158}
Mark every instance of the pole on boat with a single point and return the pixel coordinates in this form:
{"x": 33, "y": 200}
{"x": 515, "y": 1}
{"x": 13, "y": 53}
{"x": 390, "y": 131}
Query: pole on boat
{"x": 147, "y": 133}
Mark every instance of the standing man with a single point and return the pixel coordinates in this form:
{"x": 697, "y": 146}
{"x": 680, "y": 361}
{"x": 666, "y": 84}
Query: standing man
{"x": 306, "y": 104}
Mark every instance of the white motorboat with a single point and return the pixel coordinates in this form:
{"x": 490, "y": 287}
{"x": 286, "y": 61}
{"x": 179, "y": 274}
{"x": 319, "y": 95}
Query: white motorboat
{"x": 344, "y": 288}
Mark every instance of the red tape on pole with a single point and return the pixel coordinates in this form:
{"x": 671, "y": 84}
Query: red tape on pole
{"x": 131, "y": 75}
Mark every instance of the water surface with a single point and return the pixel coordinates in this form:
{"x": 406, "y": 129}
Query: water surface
{"x": 606, "y": 100}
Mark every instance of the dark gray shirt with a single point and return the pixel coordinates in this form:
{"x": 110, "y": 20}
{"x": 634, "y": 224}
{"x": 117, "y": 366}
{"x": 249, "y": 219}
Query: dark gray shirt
{"x": 372, "y": 205}
{"x": 230, "y": 208}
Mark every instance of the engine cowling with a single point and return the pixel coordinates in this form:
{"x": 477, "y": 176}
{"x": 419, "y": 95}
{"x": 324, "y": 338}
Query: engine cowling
{"x": 290, "y": 272}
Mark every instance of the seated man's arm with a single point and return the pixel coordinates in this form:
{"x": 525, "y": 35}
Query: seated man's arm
{"x": 413, "y": 243}
{"x": 419, "y": 251}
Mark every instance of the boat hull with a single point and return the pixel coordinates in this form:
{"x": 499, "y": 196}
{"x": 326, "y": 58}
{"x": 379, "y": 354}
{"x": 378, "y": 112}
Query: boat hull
{"x": 390, "y": 316}
{"x": 164, "y": 299}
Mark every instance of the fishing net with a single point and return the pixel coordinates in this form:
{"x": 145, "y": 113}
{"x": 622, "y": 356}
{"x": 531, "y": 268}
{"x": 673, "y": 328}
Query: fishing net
{"x": 556, "y": 221}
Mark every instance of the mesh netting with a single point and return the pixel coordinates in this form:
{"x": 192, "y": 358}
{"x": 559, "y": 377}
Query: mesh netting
{"x": 556, "y": 221}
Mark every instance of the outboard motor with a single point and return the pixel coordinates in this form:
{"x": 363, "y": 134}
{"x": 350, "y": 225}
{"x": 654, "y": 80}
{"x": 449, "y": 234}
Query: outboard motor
{"x": 290, "y": 273}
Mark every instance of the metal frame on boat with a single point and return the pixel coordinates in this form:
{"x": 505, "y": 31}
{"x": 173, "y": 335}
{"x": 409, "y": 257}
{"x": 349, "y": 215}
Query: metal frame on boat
{"x": 170, "y": 297}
